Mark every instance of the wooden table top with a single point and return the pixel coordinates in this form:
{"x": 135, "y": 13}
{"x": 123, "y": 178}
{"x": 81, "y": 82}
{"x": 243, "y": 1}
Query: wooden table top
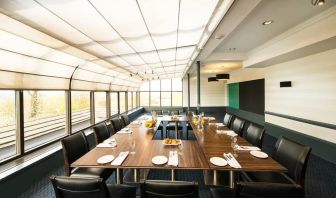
{"x": 192, "y": 154}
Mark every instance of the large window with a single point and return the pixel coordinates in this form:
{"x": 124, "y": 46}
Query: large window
{"x": 44, "y": 117}
{"x": 7, "y": 125}
{"x": 135, "y": 105}
{"x": 114, "y": 103}
{"x": 80, "y": 110}
{"x": 144, "y": 99}
{"x": 129, "y": 99}
{"x": 100, "y": 106}
{"x": 122, "y": 102}
{"x": 165, "y": 93}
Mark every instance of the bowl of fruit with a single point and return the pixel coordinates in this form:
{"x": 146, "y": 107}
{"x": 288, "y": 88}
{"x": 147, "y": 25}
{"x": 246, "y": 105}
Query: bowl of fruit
{"x": 150, "y": 124}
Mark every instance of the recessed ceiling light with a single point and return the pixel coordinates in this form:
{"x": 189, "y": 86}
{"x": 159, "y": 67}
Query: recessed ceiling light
{"x": 267, "y": 22}
{"x": 218, "y": 37}
{"x": 318, "y": 2}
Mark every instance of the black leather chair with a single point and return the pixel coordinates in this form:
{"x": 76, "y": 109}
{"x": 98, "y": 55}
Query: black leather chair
{"x": 68, "y": 187}
{"x": 237, "y": 126}
{"x": 171, "y": 124}
{"x": 125, "y": 119}
{"x": 158, "y": 112}
{"x": 100, "y": 132}
{"x": 110, "y": 128}
{"x": 116, "y": 123}
{"x": 255, "y": 134}
{"x": 174, "y": 112}
{"x": 292, "y": 155}
{"x": 254, "y": 190}
{"x": 74, "y": 147}
{"x": 169, "y": 189}
{"x": 227, "y": 119}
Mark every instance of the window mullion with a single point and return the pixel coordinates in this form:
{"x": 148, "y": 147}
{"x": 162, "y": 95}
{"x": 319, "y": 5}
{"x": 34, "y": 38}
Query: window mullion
{"x": 19, "y": 122}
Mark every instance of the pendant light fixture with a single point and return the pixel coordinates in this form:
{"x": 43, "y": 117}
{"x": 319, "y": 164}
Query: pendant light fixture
{"x": 212, "y": 79}
{"x": 223, "y": 76}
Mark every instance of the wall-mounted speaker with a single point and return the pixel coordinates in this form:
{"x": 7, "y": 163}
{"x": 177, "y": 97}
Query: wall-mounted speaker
{"x": 286, "y": 84}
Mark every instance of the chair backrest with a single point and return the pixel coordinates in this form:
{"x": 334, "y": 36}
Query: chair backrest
{"x": 227, "y": 119}
{"x": 237, "y": 126}
{"x": 101, "y": 132}
{"x": 116, "y": 123}
{"x": 74, "y": 147}
{"x": 125, "y": 119}
{"x": 174, "y": 112}
{"x": 169, "y": 189}
{"x": 158, "y": 112}
{"x": 73, "y": 187}
{"x": 294, "y": 156}
{"x": 110, "y": 128}
{"x": 255, "y": 134}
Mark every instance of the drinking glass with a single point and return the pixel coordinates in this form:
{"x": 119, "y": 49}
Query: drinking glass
{"x": 131, "y": 142}
{"x": 234, "y": 146}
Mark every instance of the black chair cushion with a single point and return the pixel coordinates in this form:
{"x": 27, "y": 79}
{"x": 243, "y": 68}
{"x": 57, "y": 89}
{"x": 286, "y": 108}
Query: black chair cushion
{"x": 70, "y": 187}
{"x": 171, "y": 126}
{"x": 110, "y": 129}
{"x": 272, "y": 177}
{"x": 255, "y": 134}
{"x": 168, "y": 189}
{"x": 117, "y": 125}
{"x": 91, "y": 172}
{"x": 227, "y": 119}
{"x": 101, "y": 132}
{"x": 125, "y": 119}
{"x": 237, "y": 126}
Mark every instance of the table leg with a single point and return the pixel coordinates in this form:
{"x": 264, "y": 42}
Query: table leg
{"x": 231, "y": 179}
{"x": 118, "y": 180}
{"x": 135, "y": 174}
{"x": 173, "y": 174}
{"x": 214, "y": 177}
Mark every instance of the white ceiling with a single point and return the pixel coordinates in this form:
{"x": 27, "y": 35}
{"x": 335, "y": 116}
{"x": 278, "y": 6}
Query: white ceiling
{"x": 249, "y": 32}
{"x": 144, "y": 39}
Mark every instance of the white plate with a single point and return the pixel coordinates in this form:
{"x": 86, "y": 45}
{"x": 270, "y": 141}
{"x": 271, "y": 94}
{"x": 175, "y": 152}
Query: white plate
{"x": 159, "y": 160}
{"x": 259, "y": 154}
{"x": 105, "y": 159}
{"x": 218, "y": 161}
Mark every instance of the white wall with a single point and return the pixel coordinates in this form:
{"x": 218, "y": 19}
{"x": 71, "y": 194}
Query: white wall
{"x": 312, "y": 95}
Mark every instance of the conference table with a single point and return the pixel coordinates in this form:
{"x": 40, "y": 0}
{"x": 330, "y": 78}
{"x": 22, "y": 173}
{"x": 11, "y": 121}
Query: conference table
{"x": 192, "y": 154}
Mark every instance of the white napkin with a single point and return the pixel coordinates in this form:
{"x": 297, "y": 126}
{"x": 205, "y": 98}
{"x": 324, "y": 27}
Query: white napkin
{"x": 248, "y": 148}
{"x": 173, "y": 158}
{"x": 217, "y": 124}
{"x": 120, "y": 158}
{"x": 231, "y": 160}
{"x": 125, "y": 132}
{"x": 136, "y": 122}
{"x": 226, "y": 132}
{"x": 125, "y": 129}
{"x": 106, "y": 145}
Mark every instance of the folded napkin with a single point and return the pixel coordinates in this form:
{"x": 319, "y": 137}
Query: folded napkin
{"x": 226, "y": 132}
{"x": 106, "y": 145}
{"x": 173, "y": 158}
{"x": 231, "y": 160}
{"x": 125, "y": 132}
{"x": 217, "y": 124}
{"x": 248, "y": 148}
{"x": 210, "y": 118}
{"x": 120, "y": 158}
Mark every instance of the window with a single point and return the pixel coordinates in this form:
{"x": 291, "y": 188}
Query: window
{"x": 177, "y": 99}
{"x": 166, "y": 99}
{"x": 166, "y": 85}
{"x": 122, "y": 102}
{"x": 7, "y": 125}
{"x": 129, "y": 99}
{"x": 155, "y": 85}
{"x": 44, "y": 117}
{"x": 114, "y": 103}
{"x": 169, "y": 89}
{"x": 100, "y": 106}
{"x": 155, "y": 99}
{"x": 144, "y": 99}
{"x": 176, "y": 84}
{"x": 80, "y": 110}
{"x": 135, "y": 105}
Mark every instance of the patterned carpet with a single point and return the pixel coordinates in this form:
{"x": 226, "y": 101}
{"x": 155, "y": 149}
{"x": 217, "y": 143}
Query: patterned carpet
{"x": 320, "y": 177}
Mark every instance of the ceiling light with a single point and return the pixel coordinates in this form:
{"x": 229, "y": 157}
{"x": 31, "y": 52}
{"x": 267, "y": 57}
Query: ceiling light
{"x": 219, "y": 37}
{"x": 318, "y": 2}
{"x": 212, "y": 79}
{"x": 267, "y": 22}
{"x": 223, "y": 76}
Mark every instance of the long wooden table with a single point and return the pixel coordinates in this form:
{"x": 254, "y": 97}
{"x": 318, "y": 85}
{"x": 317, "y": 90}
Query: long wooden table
{"x": 192, "y": 154}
